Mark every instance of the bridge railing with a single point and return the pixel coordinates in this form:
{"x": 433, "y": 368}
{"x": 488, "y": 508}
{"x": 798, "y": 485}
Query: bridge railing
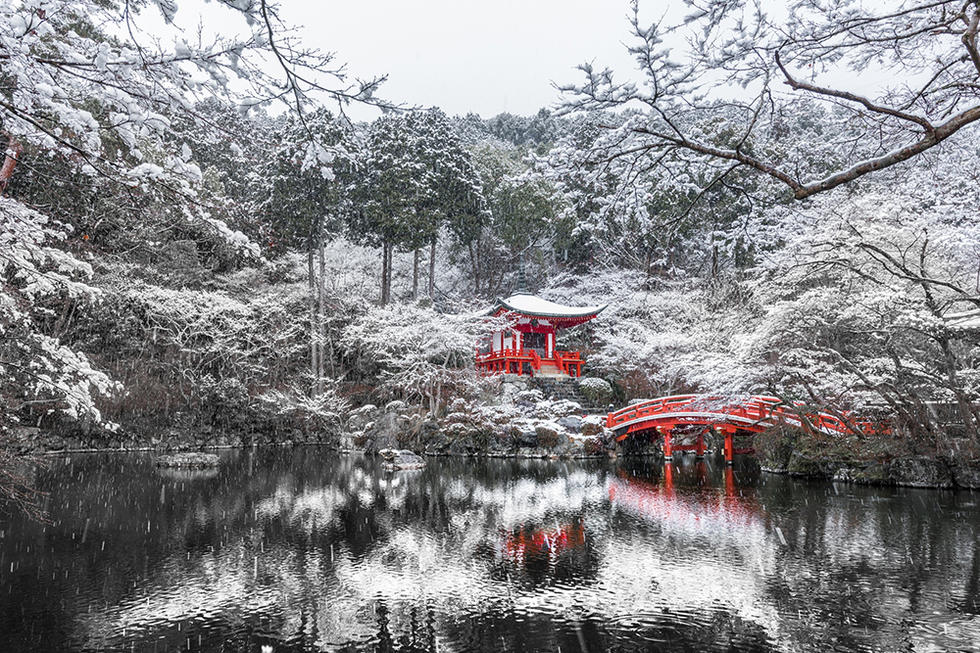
{"x": 760, "y": 411}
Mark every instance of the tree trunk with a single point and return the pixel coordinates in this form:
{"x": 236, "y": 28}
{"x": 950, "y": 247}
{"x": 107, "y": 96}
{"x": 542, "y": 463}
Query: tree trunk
{"x": 314, "y": 362}
{"x": 385, "y": 253}
{"x": 322, "y": 323}
{"x": 432, "y": 269}
{"x": 14, "y": 148}
{"x": 388, "y": 274}
{"x": 475, "y": 266}
{"x": 415, "y": 276}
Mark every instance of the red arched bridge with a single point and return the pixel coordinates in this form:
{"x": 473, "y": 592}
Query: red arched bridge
{"x": 690, "y": 417}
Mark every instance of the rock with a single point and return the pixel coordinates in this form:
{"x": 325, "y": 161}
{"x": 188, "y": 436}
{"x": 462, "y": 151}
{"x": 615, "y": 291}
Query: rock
{"x": 193, "y": 460}
{"x": 921, "y": 472}
{"x": 361, "y": 419}
{"x": 966, "y": 473}
{"x": 571, "y": 423}
{"x": 526, "y": 437}
{"x": 565, "y": 408}
{"x": 397, "y": 459}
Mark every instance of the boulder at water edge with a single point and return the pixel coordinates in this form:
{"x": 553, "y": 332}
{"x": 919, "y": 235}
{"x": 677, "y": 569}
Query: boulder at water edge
{"x": 192, "y": 460}
{"x": 395, "y": 459}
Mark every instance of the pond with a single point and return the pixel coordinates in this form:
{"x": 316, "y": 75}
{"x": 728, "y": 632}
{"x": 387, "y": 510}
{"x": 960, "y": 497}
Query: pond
{"x": 306, "y": 550}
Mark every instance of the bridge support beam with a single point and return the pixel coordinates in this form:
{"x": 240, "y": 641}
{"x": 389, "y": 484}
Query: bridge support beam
{"x": 699, "y": 451}
{"x": 729, "y": 446}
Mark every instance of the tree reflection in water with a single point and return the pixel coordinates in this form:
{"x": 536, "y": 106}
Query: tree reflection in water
{"x": 305, "y": 550}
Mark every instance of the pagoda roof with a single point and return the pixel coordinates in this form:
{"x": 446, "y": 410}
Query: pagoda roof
{"x": 532, "y": 305}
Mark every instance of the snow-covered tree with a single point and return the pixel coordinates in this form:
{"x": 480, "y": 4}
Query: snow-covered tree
{"x": 859, "y": 297}
{"x": 734, "y": 61}
{"x": 38, "y": 282}
{"x": 88, "y": 85}
{"x": 417, "y": 353}
{"x": 416, "y": 177}
{"x": 520, "y": 215}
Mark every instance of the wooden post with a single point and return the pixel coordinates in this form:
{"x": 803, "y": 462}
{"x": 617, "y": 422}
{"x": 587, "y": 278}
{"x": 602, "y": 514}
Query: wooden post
{"x": 699, "y": 452}
{"x": 730, "y": 446}
{"x": 668, "y": 450}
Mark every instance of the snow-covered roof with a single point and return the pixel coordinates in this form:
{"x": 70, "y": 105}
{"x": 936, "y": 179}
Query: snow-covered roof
{"x": 965, "y": 320}
{"x": 528, "y": 304}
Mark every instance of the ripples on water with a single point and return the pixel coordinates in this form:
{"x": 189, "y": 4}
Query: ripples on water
{"x": 306, "y": 550}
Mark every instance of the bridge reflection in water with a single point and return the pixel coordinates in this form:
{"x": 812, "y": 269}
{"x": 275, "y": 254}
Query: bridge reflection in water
{"x": 712, "y": 509}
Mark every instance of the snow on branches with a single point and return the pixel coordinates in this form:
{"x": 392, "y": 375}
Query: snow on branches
{"x": 420, "y": 354}
{"x": 35, "y": 368}
{"x": 717, "y": 84}
{"x": 83, "y": 78}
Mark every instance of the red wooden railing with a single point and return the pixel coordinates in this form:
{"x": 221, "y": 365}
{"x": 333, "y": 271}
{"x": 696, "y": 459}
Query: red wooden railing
{"x": 535, "y": 361}
{"x": 500, "y": 361}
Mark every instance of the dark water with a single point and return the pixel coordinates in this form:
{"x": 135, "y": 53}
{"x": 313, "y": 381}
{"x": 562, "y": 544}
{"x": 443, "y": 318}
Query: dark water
{"x": 306, "y": 550}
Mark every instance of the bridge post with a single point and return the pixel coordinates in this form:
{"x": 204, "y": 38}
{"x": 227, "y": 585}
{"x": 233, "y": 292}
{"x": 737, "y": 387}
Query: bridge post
{"x": 699, "y": 452}
{"x": 730, "y": 446}
{"x": 668, "y": 449}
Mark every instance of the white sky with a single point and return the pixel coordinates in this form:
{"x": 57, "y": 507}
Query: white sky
{"x": 472, "y": 56}
{"x": 463, "y": 55}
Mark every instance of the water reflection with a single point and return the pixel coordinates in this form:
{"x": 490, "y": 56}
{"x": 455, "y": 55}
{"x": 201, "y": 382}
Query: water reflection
{"x": 305, "y": 550}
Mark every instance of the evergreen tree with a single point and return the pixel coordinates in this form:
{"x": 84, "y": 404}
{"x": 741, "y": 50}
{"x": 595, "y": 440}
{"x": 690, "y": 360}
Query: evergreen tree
{"x": 417, "y": 177}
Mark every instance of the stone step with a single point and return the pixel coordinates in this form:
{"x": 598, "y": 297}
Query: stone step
{"x": 563, "y": 387}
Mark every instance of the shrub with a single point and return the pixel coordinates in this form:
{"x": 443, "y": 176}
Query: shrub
{"x": 596, "y": 390}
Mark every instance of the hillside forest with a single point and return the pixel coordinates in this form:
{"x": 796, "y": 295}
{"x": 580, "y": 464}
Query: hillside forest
{"x": 181, "y": 254}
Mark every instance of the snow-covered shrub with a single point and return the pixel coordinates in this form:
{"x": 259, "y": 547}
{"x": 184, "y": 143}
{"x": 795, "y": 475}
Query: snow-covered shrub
{"x": 596, "y": 390}
{"x": 321, "y": 415}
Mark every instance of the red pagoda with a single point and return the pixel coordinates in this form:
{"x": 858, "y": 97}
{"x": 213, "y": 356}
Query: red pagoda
{"x": 528, "y": 345}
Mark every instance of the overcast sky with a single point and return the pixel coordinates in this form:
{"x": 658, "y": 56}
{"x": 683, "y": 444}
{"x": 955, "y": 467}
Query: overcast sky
{"x": 463, "y": 55}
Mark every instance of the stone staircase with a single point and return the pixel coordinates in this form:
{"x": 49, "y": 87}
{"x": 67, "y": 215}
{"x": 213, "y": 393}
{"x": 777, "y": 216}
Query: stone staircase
{"x": 564, "y": 387}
